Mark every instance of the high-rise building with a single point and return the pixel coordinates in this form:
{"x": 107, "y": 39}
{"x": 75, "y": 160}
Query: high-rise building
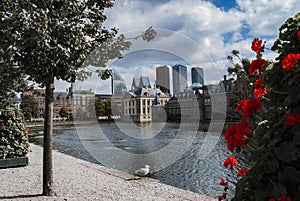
{"x": 179, "y": 78}
{"x": 197, "y": 75}
{"x": 118, "y": 84}
{"x": 163, "y": 79}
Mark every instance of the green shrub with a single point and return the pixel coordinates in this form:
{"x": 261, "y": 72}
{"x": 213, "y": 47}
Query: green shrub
{"x": 14, "y": 141}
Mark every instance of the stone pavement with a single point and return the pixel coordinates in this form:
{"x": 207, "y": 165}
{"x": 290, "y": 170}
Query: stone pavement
{"x": 76, "y": 179}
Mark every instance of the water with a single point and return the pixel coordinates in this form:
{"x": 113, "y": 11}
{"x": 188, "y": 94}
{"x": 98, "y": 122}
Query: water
{"x": 123, "y": 147}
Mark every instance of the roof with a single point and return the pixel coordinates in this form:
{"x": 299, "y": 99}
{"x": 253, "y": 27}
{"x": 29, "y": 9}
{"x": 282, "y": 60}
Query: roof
{"x": 146, "y": 91}
{"x": 196, "y": 85}
{"x": 145, "y": 81}
{"x": 57, "y": 94}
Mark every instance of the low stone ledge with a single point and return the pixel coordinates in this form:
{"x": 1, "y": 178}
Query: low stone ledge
{"x": 13, "y": 162}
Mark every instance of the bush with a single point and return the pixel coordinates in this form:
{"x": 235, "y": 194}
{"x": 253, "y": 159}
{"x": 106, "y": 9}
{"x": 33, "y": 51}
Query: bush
{"x": 14, "y": 141}
{"x": 273, "y": 140}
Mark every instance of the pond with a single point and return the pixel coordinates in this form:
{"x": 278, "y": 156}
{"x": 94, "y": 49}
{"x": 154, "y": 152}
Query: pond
{"x": 178, "y": 156}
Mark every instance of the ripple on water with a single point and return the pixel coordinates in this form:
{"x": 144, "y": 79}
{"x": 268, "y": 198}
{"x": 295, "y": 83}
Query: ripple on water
{"x": 189, "y": 172}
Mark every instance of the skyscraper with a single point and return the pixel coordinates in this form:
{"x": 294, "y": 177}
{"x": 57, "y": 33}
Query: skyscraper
{"x": 163, "y": 79}
{"x": 179, "y": 78}
{"x": 118, "y": 84}
{"x": 197, "y": 75}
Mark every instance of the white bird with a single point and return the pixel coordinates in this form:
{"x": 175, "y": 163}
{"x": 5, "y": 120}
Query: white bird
{"x": 142, "y": 171}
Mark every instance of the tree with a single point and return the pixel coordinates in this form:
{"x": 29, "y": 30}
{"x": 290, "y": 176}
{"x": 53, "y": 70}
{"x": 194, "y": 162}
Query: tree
{"x": 52, "y": 39}
{"x": 11, "y": 82}
{"x": 63, "y": 112}
{"x": 99, "y": 107}
{"x": 273, "y": 141}
{"x": 96, "y": 106}
{"x": 30, "y": 107}
{"x": 107, "y": 108}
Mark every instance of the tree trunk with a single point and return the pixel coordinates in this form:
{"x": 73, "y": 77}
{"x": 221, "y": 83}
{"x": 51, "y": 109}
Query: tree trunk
{"x": 48, "y": 130}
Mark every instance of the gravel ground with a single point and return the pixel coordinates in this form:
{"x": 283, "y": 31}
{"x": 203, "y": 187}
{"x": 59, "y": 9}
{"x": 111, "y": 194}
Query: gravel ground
{"x": 75, "y": 179}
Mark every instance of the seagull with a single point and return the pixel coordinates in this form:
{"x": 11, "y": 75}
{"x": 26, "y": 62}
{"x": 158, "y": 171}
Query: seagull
{"x": 142, "y": 171}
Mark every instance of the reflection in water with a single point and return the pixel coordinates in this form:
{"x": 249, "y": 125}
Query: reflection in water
{"x": 189, "y": 172}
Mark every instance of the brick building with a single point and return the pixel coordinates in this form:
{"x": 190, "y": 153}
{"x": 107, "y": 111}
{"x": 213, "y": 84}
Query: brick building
{"x": 77, "y": 102}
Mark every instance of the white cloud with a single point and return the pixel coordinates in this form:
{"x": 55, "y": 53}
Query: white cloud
{"x": 265, "y": 16}
{"x": 197, "y": 31}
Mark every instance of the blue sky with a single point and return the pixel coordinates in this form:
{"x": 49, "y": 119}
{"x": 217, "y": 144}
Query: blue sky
{"x": 200, "y": 32}
{"x": 224, "y": 4}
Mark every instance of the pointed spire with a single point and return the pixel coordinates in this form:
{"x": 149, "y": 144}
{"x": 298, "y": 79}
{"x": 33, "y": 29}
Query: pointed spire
{"x": 156, "y": 99}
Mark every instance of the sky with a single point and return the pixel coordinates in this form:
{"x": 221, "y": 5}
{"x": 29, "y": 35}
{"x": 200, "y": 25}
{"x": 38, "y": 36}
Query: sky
{"x": 190, "y": 32}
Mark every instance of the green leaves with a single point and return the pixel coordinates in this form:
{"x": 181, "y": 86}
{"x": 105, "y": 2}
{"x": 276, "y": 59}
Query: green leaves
{"x": 287, "y": 151}
{"x": 51, "y": 37}
{"x": 54, "y": 37}
{"x": 271, "y": 165}
{"x": 149, "y": 34}
{"x": 276, "y": 153}
{"x": 270, "y": 66}
{"x": 30, "y": 107}
{"x": 13, "y": 134}
{"x": 64, "y": 112}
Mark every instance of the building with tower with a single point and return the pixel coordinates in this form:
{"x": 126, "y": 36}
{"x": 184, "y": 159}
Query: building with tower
{"x": 144, "y": 81}
{"x": 179, "y": 78}
{"x": 137, "y": 105}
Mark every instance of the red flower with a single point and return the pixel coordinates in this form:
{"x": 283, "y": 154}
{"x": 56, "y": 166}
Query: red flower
{"x": 257, "y": 46}
{"x": 259, "y": 83}
{"x": 298, "y": 34}
{"x": 8, "y": 142}
{"x": 222, "y": 197}
{"x": 242, "y": 172}
{"x": 290, "y": 119}
{"x": 297, "y": 116}
{"x": 256, "y": 65}
{"x": 12, "y": 115}
{"x": 231, "y": 161}
{"x": 259, "y": 93}
{"x": 30, "y": 150}
{"x": 259, "y": 90}
{"x": 289, "y": 61}
{"x": 237, "y": 134}
{"x": 283, "y": 198}
{"x": 223, "y": 182}
{"x": 249, "y": 107}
